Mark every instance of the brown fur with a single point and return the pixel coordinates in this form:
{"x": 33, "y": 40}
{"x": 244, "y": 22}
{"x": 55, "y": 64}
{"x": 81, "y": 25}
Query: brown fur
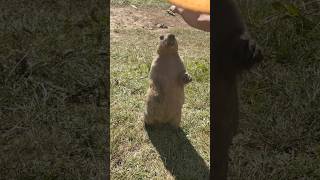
{"x": 234, "y": 51}
{"x": 168, "y": 77}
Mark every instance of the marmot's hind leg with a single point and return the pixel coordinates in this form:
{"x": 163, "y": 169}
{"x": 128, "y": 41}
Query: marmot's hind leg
{"x": 152, "y": 114}
{"x": 176, "y": 120}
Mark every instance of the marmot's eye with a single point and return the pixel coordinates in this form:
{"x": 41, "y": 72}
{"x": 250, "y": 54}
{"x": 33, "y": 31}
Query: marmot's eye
{"x": 161, "y": 37}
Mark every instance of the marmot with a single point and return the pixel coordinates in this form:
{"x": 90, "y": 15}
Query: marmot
{"x": 167, "y": 79}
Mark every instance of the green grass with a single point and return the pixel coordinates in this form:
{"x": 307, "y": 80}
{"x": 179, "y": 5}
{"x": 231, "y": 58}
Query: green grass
{"x": 280, "y": 111}
{"x": 138, "y": 153}
{"x": 52, "y": 90}
{"x": 53, "y": 97}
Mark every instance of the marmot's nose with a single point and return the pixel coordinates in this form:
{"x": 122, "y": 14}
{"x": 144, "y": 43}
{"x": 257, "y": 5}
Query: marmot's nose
{"x": 171, "y": 36}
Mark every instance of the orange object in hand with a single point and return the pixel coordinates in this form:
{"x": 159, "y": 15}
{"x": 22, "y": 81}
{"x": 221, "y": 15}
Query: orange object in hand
{"x": 202, "y": 6}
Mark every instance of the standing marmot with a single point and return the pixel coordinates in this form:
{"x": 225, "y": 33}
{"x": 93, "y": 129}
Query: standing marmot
{"x": 168, "y": 77}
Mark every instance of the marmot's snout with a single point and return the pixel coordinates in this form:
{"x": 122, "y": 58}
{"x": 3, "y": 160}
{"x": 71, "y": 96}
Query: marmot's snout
{"x": 171, "y": 37}
{"x": 171, "y": 40}
{"x": 168, "y": 44}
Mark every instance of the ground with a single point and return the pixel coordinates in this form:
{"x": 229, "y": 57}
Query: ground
{"x": 54, "y": 95}
{"x": 137, "y": 153}
{"x": 53, "y": 103}
{"x": 278, "y": 136}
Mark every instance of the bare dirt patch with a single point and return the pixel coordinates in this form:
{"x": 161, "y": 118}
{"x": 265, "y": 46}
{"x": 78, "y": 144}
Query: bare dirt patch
{"x": 153, "y": 19}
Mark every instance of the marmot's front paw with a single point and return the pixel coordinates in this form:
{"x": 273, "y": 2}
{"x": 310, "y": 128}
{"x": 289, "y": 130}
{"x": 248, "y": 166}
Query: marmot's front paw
{"x": 248, "y": 51}
{"x": 187, "y": 78}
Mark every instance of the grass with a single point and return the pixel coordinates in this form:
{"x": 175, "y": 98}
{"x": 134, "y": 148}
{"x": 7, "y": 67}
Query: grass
{"x": 279, "y": 130}
{"x": 53, "y": 95}
{"x": 280, "y": 110}
{"x": 138, "y": 153}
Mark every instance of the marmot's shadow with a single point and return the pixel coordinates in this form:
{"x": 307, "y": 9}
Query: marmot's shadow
{"x": 177, "y": 153}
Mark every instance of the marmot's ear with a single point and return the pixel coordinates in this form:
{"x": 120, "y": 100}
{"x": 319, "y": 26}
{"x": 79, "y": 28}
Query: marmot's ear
{"x": 161, "y": 37}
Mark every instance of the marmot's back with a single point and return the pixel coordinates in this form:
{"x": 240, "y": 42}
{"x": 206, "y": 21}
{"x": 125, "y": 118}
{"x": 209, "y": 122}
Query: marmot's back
{"x": 167, "y": 79}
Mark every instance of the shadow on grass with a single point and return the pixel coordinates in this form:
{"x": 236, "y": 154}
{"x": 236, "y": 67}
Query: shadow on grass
{"x": 177, "y": 153}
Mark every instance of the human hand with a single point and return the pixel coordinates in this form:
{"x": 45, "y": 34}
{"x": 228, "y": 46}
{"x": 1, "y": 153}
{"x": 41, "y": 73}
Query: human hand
{"x": 194, "y": 19}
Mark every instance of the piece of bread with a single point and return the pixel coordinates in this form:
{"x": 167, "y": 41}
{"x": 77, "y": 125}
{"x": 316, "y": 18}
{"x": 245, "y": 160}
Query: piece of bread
{"x": 202, "y": 6}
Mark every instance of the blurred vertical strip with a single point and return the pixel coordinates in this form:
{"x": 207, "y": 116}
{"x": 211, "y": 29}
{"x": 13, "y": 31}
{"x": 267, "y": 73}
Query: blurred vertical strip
{"x": 54, "y": 89}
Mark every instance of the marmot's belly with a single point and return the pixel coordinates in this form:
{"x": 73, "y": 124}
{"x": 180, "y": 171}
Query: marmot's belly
{"x": 173, "y": 100}
{"x": 165, "y": 107}
{"x": 174, "y": 96}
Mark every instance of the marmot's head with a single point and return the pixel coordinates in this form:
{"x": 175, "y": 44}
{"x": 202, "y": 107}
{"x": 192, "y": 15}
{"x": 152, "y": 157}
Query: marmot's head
{"x": 168, "y": 44}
